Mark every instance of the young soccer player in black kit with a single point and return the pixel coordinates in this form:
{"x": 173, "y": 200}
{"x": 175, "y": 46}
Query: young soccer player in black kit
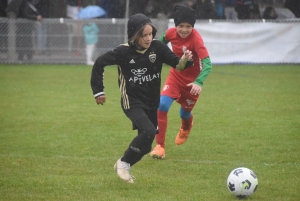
{"x": 139, "y": 67}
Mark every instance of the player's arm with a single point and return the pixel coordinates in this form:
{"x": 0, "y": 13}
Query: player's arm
{"x": 185, "y": 61}
{"x": 173, "y": 60}
{"x": 163, "y": 39}
{"x": 206, "y": 69}
{"x": 202, "y": 53}
{"x": 109, "y": 58}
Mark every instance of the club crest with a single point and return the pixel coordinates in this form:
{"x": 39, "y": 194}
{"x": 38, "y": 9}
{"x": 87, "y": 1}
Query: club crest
{"x": 152, "y": 57}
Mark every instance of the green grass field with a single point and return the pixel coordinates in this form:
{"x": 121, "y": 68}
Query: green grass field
{"x": 56, "y": 143}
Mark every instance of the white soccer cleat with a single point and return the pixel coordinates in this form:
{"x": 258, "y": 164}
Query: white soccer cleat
{"x": 123, "y": 171}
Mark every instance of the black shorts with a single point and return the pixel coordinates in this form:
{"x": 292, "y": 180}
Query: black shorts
{"x": 135, "y": 114}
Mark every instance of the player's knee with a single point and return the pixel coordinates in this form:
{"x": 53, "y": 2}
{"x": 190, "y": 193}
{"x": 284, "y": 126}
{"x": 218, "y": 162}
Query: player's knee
{"x": 185, "y": 114}
{"x": 165, "y": 103}
{"x": 163, "y": 107}
{"x": 146, "y": 130}
{"x": 148, "y": 133}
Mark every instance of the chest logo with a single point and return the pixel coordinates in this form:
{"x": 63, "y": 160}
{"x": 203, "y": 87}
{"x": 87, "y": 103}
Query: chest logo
{"x": 139, "y": 72}
{"x": 152, "y": 57}
{"x": 183, "y": 49}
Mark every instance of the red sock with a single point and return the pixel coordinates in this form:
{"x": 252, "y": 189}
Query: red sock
{"x": 162, "y": 118}
{"x": 187, "y": 123}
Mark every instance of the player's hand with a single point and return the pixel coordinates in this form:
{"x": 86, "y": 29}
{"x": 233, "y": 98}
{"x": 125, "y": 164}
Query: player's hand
{"x": 100, "y": 99}
{"x": 196, "y": 89}
{"x": 188, "y": 54}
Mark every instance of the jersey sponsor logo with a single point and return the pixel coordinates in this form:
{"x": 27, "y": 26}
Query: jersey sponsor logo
{"x": 132, "y": 61}
{"x": 139, "y": 72}
{"x": 152, "y": 57}
{"x": 140, "y": 78}
{"x": 166, "y": 87}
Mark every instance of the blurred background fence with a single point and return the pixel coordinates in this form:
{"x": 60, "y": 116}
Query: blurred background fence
{"x": 61, "y": 40}
{"x": 58, "y": 40}
{"x": 55, "y": 40}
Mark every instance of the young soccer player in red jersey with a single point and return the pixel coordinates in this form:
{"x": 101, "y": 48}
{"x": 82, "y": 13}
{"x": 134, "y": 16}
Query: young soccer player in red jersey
{"x": 184, "y": 86}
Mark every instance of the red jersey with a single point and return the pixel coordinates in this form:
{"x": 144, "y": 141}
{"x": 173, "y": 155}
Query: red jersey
{"x": 194, "y": 43}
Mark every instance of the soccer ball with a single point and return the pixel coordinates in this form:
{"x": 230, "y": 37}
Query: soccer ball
{"x": 242, "y": 182}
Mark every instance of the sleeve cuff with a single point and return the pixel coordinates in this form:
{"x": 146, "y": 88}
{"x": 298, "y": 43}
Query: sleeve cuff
{"x": 98, "y": 94}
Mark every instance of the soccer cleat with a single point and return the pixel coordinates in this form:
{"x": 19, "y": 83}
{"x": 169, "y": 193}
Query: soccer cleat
{"x": 183, "y": 135}
{"x": 123, "y": 171}
{"x": 158, "y": 152}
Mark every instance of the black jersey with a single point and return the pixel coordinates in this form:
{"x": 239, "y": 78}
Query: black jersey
{"x": 139, "y": 73}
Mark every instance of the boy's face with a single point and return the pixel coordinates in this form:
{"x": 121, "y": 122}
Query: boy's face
{"x": 146, "y": 39}
{"x": 184, "y": 29}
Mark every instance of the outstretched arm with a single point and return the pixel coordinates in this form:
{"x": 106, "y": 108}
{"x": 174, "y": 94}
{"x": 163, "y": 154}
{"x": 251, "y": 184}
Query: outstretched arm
{"x": 171, "y": 59}
{"x": 185, "y": 61}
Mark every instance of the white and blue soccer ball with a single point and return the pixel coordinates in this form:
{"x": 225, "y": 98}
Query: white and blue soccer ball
{"x": 242, "y": 182}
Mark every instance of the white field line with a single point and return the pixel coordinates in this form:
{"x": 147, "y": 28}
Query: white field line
{"x": 147, "y": 158}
